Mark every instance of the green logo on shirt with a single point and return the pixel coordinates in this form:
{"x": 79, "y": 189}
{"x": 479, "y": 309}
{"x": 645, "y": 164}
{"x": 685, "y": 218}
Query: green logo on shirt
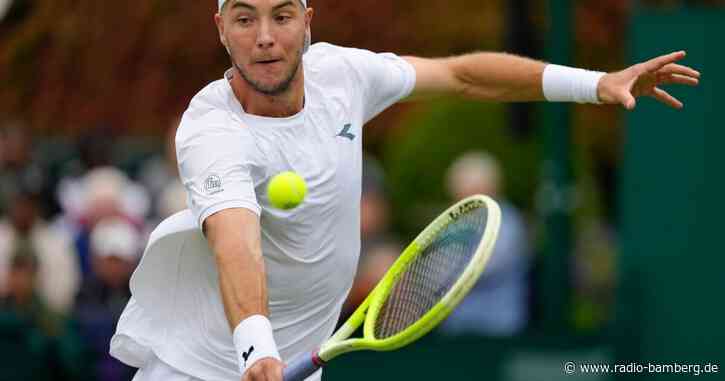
{"x": 345, "y": 133}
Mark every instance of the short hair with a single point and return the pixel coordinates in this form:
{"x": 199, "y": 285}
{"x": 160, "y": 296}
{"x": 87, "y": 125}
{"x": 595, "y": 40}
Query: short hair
{"x": 223, "y": 4}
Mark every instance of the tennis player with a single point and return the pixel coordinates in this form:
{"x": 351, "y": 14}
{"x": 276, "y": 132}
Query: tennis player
{"x": 232, "y": 288}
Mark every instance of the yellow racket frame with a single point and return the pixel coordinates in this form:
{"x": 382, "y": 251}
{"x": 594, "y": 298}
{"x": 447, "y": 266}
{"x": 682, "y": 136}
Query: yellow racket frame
{"x": 368, "y": 311}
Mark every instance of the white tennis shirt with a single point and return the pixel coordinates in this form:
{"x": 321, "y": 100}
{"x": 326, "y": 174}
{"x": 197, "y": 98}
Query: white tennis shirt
{"x": 226, "y": 158}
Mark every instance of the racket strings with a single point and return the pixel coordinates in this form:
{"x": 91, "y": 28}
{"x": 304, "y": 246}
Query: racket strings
{"x": 430, "y": 276}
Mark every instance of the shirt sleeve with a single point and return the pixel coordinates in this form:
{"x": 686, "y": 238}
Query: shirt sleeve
{"x": 216, "y": 171}
{"x": 383, "y": 79}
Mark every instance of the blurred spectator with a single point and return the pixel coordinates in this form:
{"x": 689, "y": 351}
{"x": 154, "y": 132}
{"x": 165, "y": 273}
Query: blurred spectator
{"x": 498, "y": 303}
{"x": 160, "y": 176}
{"x": 374, "y": 263}
{"x": 57, "y": 265}
{"x": 378, "y": 247}
{"x": 4, "y": 7}
{"x": 26, "y": 326}
{"x": 92, "y": 151}
{"x": 18, "y": 167}
{"x": 171, "y": 200}
{"x": 93, "y": 148}
{"x": 115, "y": 248}
{"x": 103, "y": 192}
{"x": 30, "y": 331}
{"x": 22, "y": 297}
{"x": 374, "y": 205}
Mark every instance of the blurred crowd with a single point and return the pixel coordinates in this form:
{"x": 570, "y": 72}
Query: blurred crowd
{"x": 72, "y": 231}
{"x": 71, "y": 234}
{"x": 498, "y": 305}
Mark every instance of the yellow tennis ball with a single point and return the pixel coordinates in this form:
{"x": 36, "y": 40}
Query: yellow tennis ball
{"x": 286, "y": 190}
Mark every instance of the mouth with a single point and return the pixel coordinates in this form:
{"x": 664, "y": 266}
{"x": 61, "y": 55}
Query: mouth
{"x": 267, "y": 62}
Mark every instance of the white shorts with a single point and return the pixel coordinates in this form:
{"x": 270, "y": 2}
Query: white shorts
{"x": 157, "y": 370}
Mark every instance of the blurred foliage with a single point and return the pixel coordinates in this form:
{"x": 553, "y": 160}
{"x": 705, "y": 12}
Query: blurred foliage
{"x": 433, "y": 135}
{"x": 67, "y": 65}
{"x": 683, "y": 3}
{"x": 417, "y": 160}
{"x": 72, "y": 64}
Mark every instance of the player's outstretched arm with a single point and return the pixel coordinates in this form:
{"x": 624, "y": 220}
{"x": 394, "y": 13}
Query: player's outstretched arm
{"x": 234, "y": 238}
{"x": 502, "y": 77}
{"x": 485, "y": 76}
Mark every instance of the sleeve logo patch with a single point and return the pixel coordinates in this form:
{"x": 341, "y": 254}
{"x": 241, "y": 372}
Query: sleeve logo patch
{"x": 213, "y": 185}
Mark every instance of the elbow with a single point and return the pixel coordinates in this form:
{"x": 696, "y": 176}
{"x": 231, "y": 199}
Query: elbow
{"x": 484, "y": 93}
{"x": 469, "y": 87}
{"x": 484, "y": 84}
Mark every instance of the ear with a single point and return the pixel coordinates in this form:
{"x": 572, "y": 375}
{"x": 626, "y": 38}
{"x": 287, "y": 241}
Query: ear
{"x": 219, "y": 21}
{"x": 308, "y": 41}
{"x": 309, "y": 12}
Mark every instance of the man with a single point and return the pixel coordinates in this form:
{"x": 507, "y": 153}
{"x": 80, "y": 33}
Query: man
{"x": 114, "y": 250}
{"x": 497, "y": 305}
{"x": 274, "y": 281}
{"x": 58, "y": 273}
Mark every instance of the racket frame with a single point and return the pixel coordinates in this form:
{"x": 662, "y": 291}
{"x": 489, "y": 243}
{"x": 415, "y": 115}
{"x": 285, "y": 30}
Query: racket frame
{"x": 369, "y": 310}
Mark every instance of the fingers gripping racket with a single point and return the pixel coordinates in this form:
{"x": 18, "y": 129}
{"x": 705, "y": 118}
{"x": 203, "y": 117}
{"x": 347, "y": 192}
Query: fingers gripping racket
{"x": 423, "y": 286}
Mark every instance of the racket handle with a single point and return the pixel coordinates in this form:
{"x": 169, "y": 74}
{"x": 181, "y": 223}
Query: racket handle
{"x": 302, "y": 366}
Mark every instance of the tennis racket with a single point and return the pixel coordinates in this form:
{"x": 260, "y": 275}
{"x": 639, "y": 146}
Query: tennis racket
{"x": 422, "y": 287}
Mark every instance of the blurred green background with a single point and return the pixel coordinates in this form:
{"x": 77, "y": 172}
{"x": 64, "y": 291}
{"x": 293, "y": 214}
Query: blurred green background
{"x": 624, "y": 265}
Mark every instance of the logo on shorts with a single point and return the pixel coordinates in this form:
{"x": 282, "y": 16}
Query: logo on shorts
{"x": 213, "y": 184}
{"x": 345, "y": 133}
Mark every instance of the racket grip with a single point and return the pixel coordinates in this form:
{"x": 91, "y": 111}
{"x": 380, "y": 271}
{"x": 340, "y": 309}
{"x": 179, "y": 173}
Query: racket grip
{"x": 302, "y": 366}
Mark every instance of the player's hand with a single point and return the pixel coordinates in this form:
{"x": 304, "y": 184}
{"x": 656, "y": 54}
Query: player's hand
{"x": 645, "y": 79}
{"x": 266, "y": 369}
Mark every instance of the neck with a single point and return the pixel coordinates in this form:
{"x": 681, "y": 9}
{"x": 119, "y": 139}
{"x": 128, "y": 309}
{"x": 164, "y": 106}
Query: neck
{"x": 281, "y": 105}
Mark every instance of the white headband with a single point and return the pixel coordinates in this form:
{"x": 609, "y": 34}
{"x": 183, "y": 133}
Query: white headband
{"x": 221, "y": 3}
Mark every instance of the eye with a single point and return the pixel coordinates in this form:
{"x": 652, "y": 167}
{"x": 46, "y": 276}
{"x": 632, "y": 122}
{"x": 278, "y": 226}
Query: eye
{"x": 282, "y": 18}
{"x": 244, "y": 20}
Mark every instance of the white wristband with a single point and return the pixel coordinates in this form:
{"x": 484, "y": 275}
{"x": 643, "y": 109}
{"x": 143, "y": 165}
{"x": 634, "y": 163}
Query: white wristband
{"x": 254, "y": 341}
{"x": 567, "y": 84}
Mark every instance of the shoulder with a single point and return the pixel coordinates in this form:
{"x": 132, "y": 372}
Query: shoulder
{"x": 326, "y": 63}
{"x": 327, "y": 59}
{"x": 325, "y": 53}
{"x": 320, "y": 50}
{"x": 213, "y": 97}
{"x": 351, "y": 70}
{"x": 209, "y": 114}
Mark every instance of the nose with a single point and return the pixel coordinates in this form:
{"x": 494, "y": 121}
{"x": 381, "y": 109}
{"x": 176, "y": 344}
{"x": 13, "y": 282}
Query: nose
{"x": 264, "y": 36}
